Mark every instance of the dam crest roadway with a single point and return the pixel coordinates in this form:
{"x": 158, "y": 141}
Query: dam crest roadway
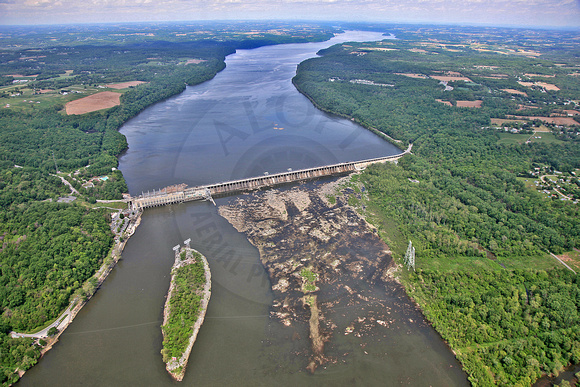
{"x": 182, "y": 193}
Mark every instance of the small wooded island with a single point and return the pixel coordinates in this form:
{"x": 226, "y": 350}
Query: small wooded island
{"x": 185, "y": 308}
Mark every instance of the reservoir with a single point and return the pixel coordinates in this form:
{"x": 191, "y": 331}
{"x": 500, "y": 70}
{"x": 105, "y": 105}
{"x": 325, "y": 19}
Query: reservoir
{"x": 247, "y": 121}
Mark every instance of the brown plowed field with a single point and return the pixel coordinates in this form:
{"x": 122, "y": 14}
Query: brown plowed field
{"x": 470, "y": 104}
{"x": 102, "y": 100}
{"x": 540, "y": 75}
{"x": 548, "y": 86}
{"x": 501, "y": 121}
{"x": 124, "y": 85}
{"x": 514, "y": 91}
{"x": 411, "y": 75}
{"x": 567, "y": 121}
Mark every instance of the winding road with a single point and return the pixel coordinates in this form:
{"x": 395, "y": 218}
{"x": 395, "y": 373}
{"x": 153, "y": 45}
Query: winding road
{"x": 555, "y": 189}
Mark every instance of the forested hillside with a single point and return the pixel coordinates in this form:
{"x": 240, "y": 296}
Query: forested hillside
{"x": 49, "y": 249}
{"x": 488, "y": 118}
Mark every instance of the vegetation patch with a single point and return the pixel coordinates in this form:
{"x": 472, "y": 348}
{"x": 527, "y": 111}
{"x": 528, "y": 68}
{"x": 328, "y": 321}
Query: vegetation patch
{"x": 506, "y": 327}
{"x": 309, "y": 280}
{"x": 48, "y": 249}
{"x": 484, "y": 277}
{"x": 184, "y": 309}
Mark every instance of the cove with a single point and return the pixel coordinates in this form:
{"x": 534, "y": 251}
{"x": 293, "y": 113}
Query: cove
{"x": 247, "y": 121}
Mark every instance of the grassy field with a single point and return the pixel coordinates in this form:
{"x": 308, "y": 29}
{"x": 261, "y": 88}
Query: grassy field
{"x": 539, "y": 137}
{"x": 511, "y": 138}
{"x": 543, "y": 128}
{"x": 540, "y": 262}
{"x": 457, "y": 263}
{"x": 545, "y": 138}
{"x": 529, "y": 182}
{"x": 28, "y": 100}
{"x": 117, "y": 205}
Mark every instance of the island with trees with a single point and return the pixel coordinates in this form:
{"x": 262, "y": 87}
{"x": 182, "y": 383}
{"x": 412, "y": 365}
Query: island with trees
{"x": 58, "y": 165}
{"x": 488, "y": 196}
{"x": 185, "y": 308}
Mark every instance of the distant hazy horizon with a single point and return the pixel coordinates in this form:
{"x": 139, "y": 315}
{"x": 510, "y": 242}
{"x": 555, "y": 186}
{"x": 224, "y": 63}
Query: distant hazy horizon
{"x": 339, "y": 23}
{"x": 504, "y": 13}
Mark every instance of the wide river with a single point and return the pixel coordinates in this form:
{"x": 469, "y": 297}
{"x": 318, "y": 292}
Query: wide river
{"x": 247, "y": 121}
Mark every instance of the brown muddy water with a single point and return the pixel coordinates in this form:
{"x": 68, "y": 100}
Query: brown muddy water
{"x": 247, "y": 121}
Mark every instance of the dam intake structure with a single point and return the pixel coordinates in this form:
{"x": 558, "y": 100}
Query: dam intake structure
{"x": 181, "y": 193}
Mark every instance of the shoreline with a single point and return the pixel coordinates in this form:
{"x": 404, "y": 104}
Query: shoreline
{"x": 177, "y": 367}
{"x": 377, "y": 132}
{"x": 68, "y": 315}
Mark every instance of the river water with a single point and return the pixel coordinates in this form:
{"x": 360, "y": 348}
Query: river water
{"x": 247, "y": 121}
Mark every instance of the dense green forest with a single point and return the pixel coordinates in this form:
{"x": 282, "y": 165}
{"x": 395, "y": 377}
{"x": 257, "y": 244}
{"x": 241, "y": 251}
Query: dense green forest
{"x": 184, "y": 305}
{"x": 481, "y": 235}
{"x": 50, "y": 249}
{"x": 507, "y": 327}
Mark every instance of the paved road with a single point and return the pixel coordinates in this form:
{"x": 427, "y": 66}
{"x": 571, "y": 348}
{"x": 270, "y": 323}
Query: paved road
{"x": 72, "y": 189}
{"x": 60, "y": 323}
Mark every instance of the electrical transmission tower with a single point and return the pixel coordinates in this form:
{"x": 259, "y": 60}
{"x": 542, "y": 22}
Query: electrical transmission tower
{"x": 410, "y": 257}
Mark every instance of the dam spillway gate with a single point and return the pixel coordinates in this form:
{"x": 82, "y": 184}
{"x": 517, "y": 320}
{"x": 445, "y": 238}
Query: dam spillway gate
{"x": 181, "y": 193}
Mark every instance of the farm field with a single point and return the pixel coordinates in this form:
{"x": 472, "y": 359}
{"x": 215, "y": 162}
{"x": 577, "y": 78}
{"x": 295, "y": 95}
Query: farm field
{"x": 125, "y": 85}
{"x": 92, "y": 103}
{"x": 545, "y": 138}
{"x": 550, "y": 120}
{"x": 469, "y": 104}
{"x": 481, "y": 238}
{"x": 501, "y": 121}
{"x": 24, "y": 97}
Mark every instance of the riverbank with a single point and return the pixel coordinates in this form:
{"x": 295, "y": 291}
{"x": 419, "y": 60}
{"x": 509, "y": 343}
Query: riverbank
{"x": 382, "y": 135}
{"x": 185, "y": 285}
{"x": 89, "y": 289}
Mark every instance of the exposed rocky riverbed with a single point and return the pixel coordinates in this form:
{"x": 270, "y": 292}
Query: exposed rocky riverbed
{"x": 329, "y": 270}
